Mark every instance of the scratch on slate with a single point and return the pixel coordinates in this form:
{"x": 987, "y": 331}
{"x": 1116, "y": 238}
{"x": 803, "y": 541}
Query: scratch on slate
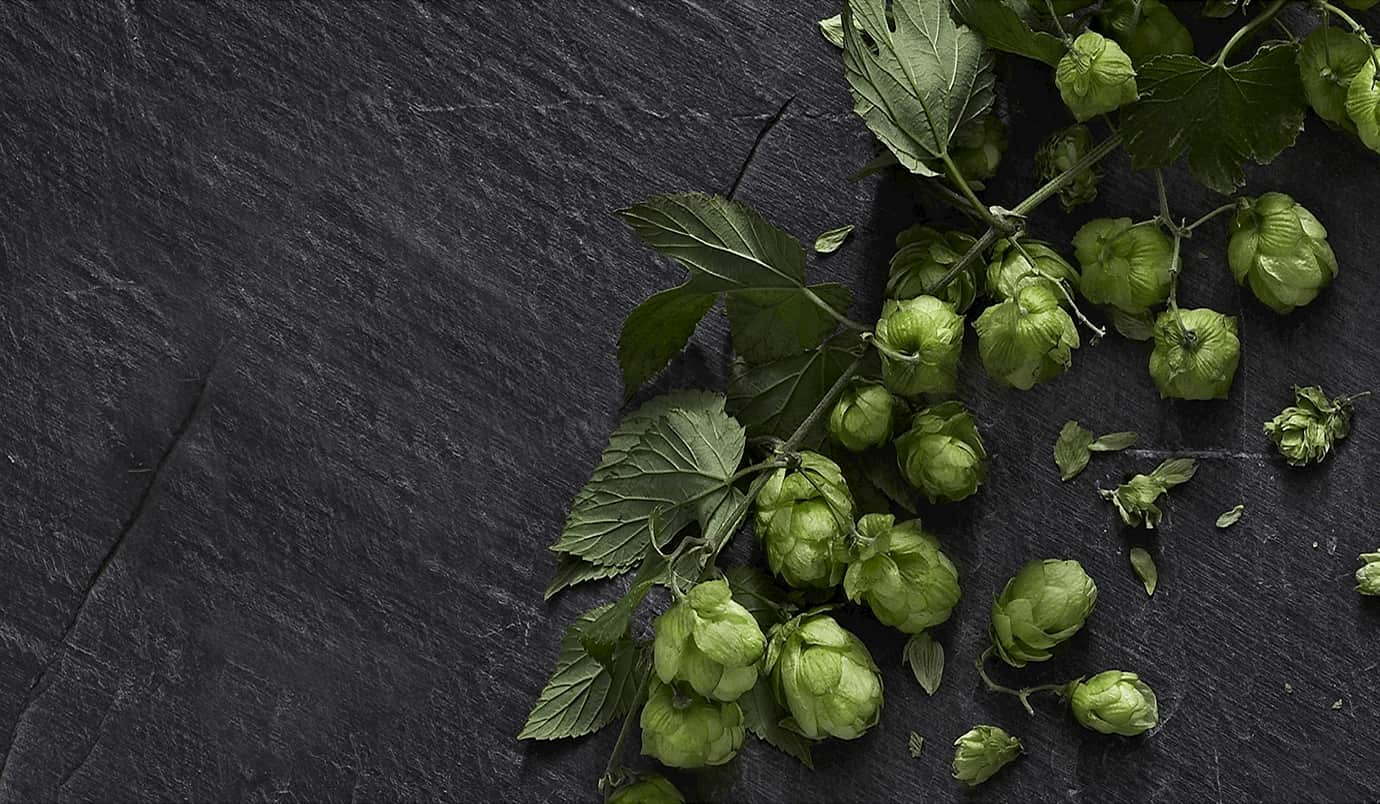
{"x": 37, "y": 686}
{"x": 752, "y": 152}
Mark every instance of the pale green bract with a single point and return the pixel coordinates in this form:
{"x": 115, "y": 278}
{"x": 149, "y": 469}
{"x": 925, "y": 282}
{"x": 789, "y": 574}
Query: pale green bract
{"x": 652, "y": 789}
{"x": 829, "y": 241}
{"x": 825, "y": 677}
{"x": 1044, "y": 604}
{"x": 1281, "y": 250}
{"x": 1095, "y": 77}
{"x": 916, "y": 76}
{"x": 710, "y": 642}
{"x": 1114, "y": 702}
{"x": 862, "y": 417}
{"x": 901, "y": 574}
{"x": 683, "y": 730}
{"x": 1027, "y": 339}
{"x": 1196, "y": 353}
{"x": 1306, "y": 431}
{"x": 981, "y": 752}
{"x": 802, "y": 517}
{"x": 942, "y": 453}
{"x": 1368, "y": 576}
{"x": 927, "y": 335}
{"x": 1124, "y": 264}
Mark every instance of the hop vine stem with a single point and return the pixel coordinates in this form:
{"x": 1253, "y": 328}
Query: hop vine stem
{"x": 1260, "y": 21}
{"x": 1023, "y": 694}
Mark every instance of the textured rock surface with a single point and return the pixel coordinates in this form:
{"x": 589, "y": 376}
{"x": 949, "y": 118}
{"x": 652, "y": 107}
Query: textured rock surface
{"x": 309, "y": 316}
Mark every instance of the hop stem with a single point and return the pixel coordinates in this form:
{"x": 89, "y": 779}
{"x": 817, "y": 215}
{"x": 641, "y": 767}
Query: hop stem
{"x": 1023, "y": 694}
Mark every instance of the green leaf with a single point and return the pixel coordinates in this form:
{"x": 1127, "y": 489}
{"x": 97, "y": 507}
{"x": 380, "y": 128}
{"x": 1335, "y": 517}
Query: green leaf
{"x": 1113, "y": 442}
{"x": 763, "y": 716}
{"x": 915, "y": 745}
{"x": 571, "y": 570}
{"x": 926, "y": 660}
{"x": 755, "y": 591}
{"x": 583, "y": 694}
{"x": 771, "y": 324}
{"x": 917, "y": 82}
{"x": 1071, "y": 450}
{"x": 832, "y": 30}
{"x": 602, "y": 636}
{"x": 1231, "y": 517}
{"x": 1134, "y": 326}
{"x": 882, "y": 468}
{"x": 829, "y": 242}
{"x": 678, "y": 471}
{"x": 772, "y": 399}
{"x": 657, "y": 330}
{"x": 1003, "y": 29}
{"x": 1175, "y": 471}
{"x": 1222, "y": 116}
{"x": 1145, "y": 569}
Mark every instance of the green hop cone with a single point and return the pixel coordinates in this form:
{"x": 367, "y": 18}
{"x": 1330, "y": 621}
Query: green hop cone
{"x": 1146, "y": 29}
{"x": 1114, "y": 702}
{"x": 1363, "y": 105}
{"x": 1010, "y": 271}
{"x": 1368, "y": 576}
{"x": 942, "y": 453}
{"x": 923, "y": 257}
{"x": 1328, "y": 61}
{"x": 1125, "y": 265}
{"x": 1043, "y": 605}
{"x": 902, "y": 575}
{"x": 1281, "y": 250}
{"x": 1306, "y": 431}
{"x": 983, "y": 751}
{"x": 1058, "y": 154}
{"x": 977, "y": 150}
{"x": 1026, "y": 340}
{"x": 710, "y": 642}
{"x": 824, "y": 676}
{"x": 652, "y": 789}
{"x": 929, "y": 334}
{"x": 1095, "y": 76}
{"x": 1196, "y": 359}
{"x": 862, "y": 417}
{"x": 802, "y": 518}
{"x": 682, "y": 730}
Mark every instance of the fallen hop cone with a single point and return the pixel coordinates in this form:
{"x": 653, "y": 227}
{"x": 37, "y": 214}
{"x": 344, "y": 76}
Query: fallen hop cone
{"x": 902, "y": 575}
{"x": 803, "y": 515}
{"x": 981, "y": 752}
{"x": 710, "y": 642}
{"x": 1196, "y": 353}
{"x": 1306, "y": 431}
{"x": 683, "y": 730}
{"x": 1281, "y": 250}
{"x": 825, "y": 677}
{"x": 942, "y": 454}
{"x": 1123, "y": 264}
{"x": 652, "y": 789}
{"x": 861, "y": 418}
{"x": 1095, "y": 76}
{"x": 1114, "y": 702}
{"x": 1044, "y": 604}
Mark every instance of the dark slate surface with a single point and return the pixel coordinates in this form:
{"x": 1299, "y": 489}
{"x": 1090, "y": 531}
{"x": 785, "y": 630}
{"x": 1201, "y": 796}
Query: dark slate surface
{"x": 309, "y": 315}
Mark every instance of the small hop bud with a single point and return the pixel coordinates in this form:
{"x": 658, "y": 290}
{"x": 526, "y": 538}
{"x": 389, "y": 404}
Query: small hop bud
{"x": 1125, "y": 265}
{"x": 942, "y": 453}
{"x": 862, "y": 417}
{"x": 1095, "y": 76}
{"x": 803, "y": 516}
{"x": 1328, "y": 61}
{"x": 983, "y": 751}
{"x": 1045, "y": 603}
{"x": 710, "y": 642}
{"x": 1368, "y": 576}
{"x": 1363, "y": 104}
{"x": 682, "y": 730}
{"x": 1146, "y": 29}
{"x": 1114, "y": 702}
{"x": 1281, "y": 250}
{"x": 1306, "y": 431}
{"x": 1010, "y": 271}
{"x": 651, "y": 789}
{"x": 825, "y": 678}
{"x": 1027, "y": 339}
{"x": 1059, "y": 153}
{"x": 977, "y": 150}
{"x": 923, "y": 257}
{"x": 930, "y": 334}
{"x": 905, "y": 579}
{"x": 1195, "y": 354}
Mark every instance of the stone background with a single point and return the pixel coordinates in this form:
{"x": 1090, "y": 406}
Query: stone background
{"x": 309, "y": 315}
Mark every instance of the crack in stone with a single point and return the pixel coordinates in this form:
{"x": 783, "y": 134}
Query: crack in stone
{"x": 1225, "y": 454}
{"x": 38, "y": 686}
{"x": 752, "y": 152}
{"x": 91, "y": 746}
